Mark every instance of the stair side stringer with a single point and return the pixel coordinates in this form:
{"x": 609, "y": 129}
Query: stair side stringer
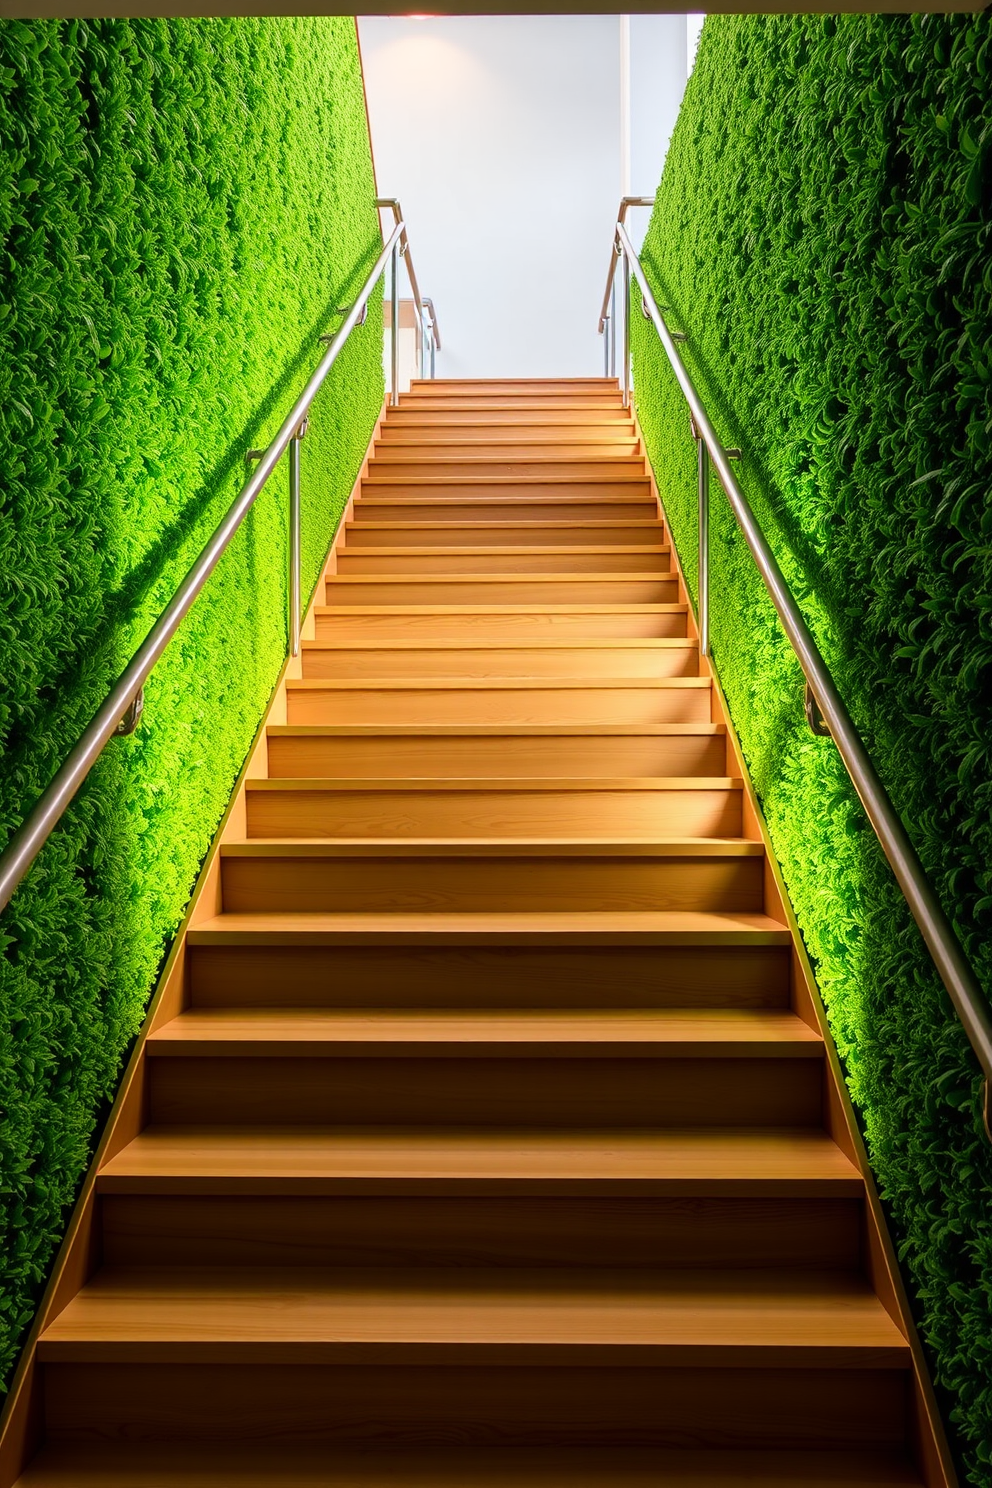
{"x": 933, "y": 1454}
{"x": 21, "y": 1421}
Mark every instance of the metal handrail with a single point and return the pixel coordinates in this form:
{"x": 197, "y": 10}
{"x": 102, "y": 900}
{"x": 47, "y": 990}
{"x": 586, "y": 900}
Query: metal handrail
{"x": 608, "y": 313}
{"x": 428, "y": 332}
{"x": 952, "y": 965}
{"x": 34, "y": 831}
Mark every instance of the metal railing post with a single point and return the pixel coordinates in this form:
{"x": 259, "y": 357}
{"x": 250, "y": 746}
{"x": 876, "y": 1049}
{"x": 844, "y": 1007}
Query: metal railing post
{"x": 394, "y": 330}
{"x": 703, "y": 571}
{"x": 626, "y": 330}
{"x": 294, "y": 541}
{"x": 611, "y": 371}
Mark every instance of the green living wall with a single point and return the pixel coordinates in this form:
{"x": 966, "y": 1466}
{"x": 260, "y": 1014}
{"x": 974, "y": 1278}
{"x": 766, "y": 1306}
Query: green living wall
{"x": 183, "y": 205}
{"x": 823, "y": 233}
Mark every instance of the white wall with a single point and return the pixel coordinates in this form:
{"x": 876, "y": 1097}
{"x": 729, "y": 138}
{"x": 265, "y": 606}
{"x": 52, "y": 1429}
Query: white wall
{"x": 505, "y": 138}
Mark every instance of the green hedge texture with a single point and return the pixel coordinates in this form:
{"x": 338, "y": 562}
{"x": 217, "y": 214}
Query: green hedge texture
{"x": 183, "y": 205}
{"x": 823, "y": 233}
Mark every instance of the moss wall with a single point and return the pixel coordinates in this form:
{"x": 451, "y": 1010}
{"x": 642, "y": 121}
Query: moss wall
{"x": 183, "y": 204}
{"x": 823, "y": 232}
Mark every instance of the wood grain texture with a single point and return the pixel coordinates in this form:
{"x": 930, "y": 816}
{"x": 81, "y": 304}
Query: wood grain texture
{"x": 490, "y": 1141}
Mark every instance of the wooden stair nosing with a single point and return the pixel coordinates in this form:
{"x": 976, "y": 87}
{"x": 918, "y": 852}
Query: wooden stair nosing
{"x": 721, "y": 1033}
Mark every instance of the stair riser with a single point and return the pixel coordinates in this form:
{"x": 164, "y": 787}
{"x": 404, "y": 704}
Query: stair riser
{"x": 503, "y": 1092}
{"x": 151, "y": 1230}
{"x": 412, "y": 1407}
{"x": 534, "y": 534}
{"x": 494, "y": 661}
{"x": 532, "y": 625}
{"x": 504, "y": 705}
{"x": 481, "y": 511}
{"x": 648, "y": 561}
{"x": 296, "y": 812}
{"x": 521, "y": 466}
{"x": 502, "y": 591}
{"x": 443, "y": 757}
{"x": 404, "y": 976}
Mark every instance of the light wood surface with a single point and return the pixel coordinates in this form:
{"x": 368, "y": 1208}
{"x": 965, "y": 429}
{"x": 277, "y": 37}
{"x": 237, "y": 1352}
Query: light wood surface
{"x": 489, "y": 1054}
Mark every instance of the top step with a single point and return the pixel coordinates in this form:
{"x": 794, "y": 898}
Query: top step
{"x": 505, "y": 387}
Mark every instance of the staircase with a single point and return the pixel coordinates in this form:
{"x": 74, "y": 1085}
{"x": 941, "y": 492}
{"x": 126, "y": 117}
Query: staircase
{"x": 492, "y": 1148}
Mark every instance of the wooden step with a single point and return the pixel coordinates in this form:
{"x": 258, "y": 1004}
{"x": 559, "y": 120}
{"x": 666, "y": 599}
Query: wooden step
{"x": 607, "y": 808}
{"x": 500, "y": 622}
{"x": 632, "y": 487}
{"x": 446, "y": 415}
{"x": 547, "y": 700}
{"x": 800, "y": 1233}
{"x": 531, "y": 589}
{"x": 205, "y": 1465}
{"x": 516, "y": 559}
{"x": 500, "y": 386}
{"x": 517, "y": 404}
{"x": 430, "y": 464}
{"x": 664, "y": 749}
{"x": 374, "y": 534}
{"x": 503, "y": 1069}
{"x": 491, "y": 1068}
{"x": 683, "y": 1319}
{"x": 431, "y": 429}
{"x": 479, "y": 508}
{"x": 674, "y": 657}
{"x": 544, "y": 444}
{"x": 493, "y": 1033}
{"x": 734, "y": 1163}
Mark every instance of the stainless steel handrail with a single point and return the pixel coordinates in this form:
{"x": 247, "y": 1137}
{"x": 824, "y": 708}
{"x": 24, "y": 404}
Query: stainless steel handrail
{"x": 428, "y": 333}
{"x": 31, "y": 836}
{"x": 952, "y": 965}
{"x": 608, "y": 313}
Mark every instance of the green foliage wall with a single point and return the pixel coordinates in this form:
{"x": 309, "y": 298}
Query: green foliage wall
{"x": 823, "y": 232}
{"x": 183, "y": 204}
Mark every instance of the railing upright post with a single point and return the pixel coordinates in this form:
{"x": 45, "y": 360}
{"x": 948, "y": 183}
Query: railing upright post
{"x": 294, "y": 541}
{"x": 626, "y": 330}
{"x": 611, "y": 370}
{"x": 394, "y": 329}
{"x": 703, "y": 571}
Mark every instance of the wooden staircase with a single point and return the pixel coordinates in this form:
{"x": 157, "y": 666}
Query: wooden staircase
{"x": 497, "y": 1145}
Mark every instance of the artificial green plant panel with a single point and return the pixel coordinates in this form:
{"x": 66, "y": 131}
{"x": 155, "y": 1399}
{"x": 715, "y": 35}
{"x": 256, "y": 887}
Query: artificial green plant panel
{"x": 823, "y": 232}
{"x": 183, "y": 206}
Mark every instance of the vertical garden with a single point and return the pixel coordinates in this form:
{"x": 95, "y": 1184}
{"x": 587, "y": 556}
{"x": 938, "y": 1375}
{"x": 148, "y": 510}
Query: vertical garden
{"x": 184, "y": 204}
{"x": 823, "y": 233}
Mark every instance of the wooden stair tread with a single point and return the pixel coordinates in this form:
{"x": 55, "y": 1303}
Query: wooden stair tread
{"x": 517, "y": 550}
{"x": 593, "y": 610}
{"x": 511, "y": 785}
{"x": 785, "y": 1318}
{"x": 638, "y": 1032}
{"x": 496, "y": 730}
{"x": 489, "y": 684}
{"x": 467, "y": 927}
{"x": 525, "y": 644}
{"x": 259, "y": 1464}
{"x": 495, "y": 847}
{"x": 758, "y": 1163}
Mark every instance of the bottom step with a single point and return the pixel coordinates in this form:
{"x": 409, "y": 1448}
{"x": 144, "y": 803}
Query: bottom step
{"x": 206, "y": 1466}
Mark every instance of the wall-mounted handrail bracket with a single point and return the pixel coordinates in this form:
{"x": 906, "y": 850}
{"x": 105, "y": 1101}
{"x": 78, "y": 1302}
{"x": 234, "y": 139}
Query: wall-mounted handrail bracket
{"x": 252, "y": 455}
{"x": 815, "y": 719}
{"x": 129, "y": 722}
